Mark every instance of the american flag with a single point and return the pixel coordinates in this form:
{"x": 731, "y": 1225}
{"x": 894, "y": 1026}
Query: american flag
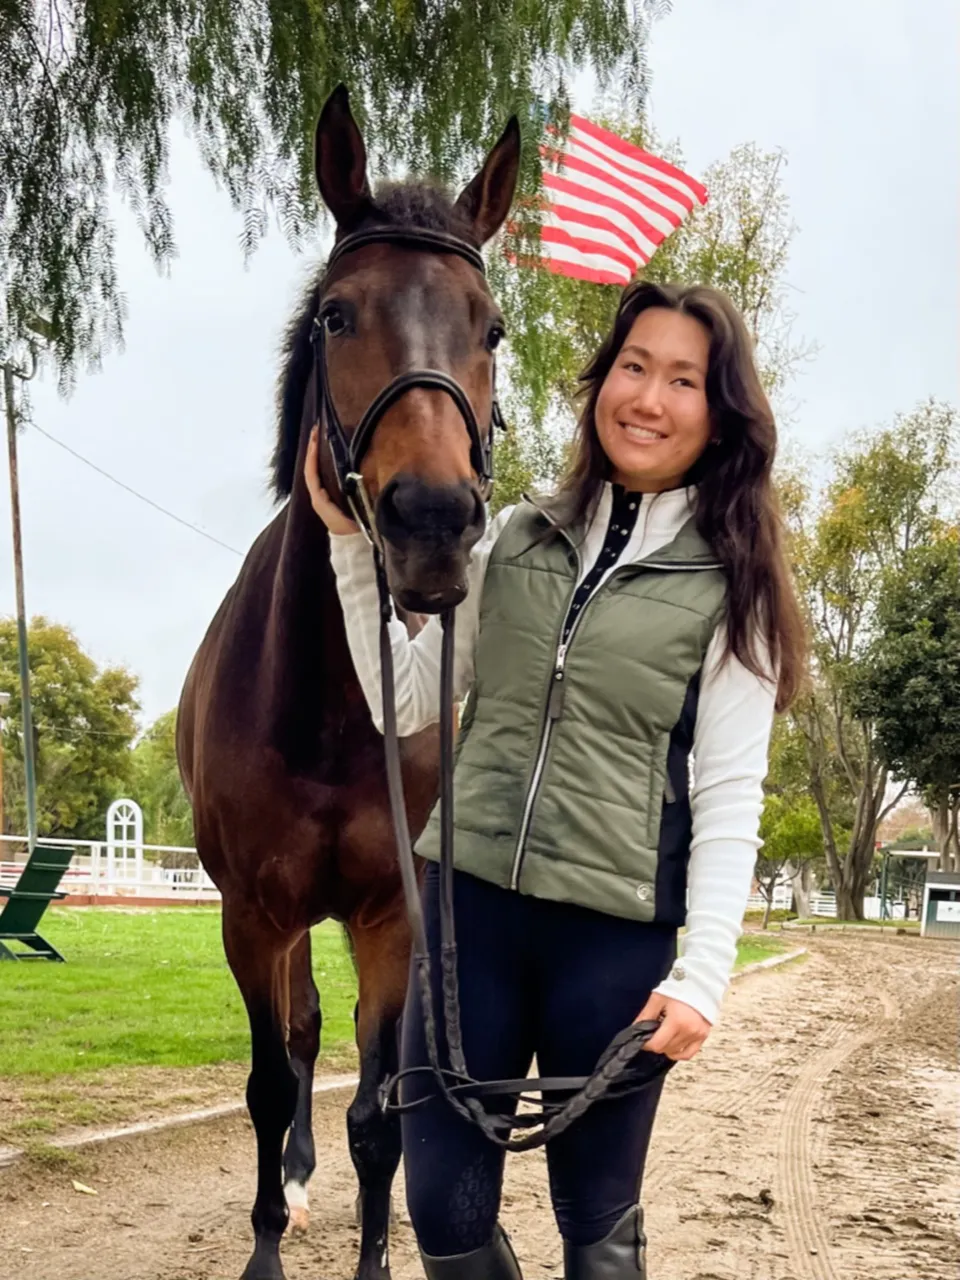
{"x": 609, "y": 204}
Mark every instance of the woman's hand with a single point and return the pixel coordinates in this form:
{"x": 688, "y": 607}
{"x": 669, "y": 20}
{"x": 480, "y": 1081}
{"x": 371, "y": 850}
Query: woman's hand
{"x": 328, "y": 511}
{"x": 682, "y": 1030}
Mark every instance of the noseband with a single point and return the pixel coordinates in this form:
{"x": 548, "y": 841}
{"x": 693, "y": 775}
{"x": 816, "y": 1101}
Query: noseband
{"x": 621, "y": 1068}
{"x": 349, "y": 450}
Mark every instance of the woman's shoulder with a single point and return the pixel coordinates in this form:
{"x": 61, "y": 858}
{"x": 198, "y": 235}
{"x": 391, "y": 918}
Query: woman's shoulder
{"x": 502, "y": 518}
{"x": 532, "y": 517}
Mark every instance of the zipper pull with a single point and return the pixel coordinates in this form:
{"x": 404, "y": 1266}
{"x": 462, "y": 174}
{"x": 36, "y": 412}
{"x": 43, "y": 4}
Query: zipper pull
{"x": 555, "y": 705}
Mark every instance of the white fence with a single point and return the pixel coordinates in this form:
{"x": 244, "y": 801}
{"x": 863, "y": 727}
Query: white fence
{"x": 99, "y": 869}
{"x": 823, "y": 904}
{"x": 782, "y": 898}
{"x": 116, "y": 869}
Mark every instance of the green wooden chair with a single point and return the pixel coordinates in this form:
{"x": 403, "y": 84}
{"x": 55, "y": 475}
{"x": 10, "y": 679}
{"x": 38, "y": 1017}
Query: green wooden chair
{"x": 27, "y": 900}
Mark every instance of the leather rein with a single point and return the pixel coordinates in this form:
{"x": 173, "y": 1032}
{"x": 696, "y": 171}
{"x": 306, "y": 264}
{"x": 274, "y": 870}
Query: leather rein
{"x": 620, "y": 1069}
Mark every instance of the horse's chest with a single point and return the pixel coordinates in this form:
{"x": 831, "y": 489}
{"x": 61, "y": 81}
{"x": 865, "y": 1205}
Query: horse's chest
{"x": 366, "y": 827}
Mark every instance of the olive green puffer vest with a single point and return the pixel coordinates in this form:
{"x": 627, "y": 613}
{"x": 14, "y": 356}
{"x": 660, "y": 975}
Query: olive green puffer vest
{"x": 561, "y": 772}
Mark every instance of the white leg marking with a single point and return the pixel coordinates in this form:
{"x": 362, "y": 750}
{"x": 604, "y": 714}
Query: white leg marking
{"x": 298, "y": 1204}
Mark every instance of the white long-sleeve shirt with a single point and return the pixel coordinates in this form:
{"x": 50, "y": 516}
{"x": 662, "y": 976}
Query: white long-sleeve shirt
{"x": 731, "y": 736}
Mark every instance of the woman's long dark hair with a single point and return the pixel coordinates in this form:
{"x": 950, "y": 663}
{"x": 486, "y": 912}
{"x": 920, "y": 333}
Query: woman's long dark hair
{"x": 737, "y": 511}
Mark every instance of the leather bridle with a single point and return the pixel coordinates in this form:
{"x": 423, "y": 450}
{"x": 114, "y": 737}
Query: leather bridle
{"x": 349, "y": 450}
{"x": 621, "y": 1068}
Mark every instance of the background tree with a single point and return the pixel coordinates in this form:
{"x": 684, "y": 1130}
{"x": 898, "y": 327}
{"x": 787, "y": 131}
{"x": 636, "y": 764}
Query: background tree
{"x": 787, "y": 808}
{"x": 887, "y": 494}
{"x": 89, "y": 90}
{"x": 909, "y": 821}
{"x": 156, "y": 785}
{"x": 84, "y": 723}
{"x": 792, "y": 838}
{"x": 909, "y": 683}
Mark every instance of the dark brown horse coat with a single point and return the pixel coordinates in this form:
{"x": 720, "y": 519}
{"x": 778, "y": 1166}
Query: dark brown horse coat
{"x": 276, "y": 745}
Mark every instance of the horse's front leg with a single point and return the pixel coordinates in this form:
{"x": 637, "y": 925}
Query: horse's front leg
{"x": 299, "y": 1158}
{"x": 382, "y": 954}
{"x": 259, "y": 959}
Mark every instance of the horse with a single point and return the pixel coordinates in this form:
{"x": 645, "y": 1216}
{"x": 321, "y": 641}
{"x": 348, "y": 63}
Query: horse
{"x": 278, "y": 753}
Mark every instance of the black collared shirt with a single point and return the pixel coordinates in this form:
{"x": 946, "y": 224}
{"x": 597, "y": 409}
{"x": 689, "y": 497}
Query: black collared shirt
{"x": 623, "y": 518}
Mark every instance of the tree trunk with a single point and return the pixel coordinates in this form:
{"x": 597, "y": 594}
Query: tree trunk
{"x": 801, "y": 890}
{"x": 940, "y": 812}
{"x": 769, "y": 908}
{"x": 848, "y": 908}
{"x": 857, "y": 868}
{"x": 852, "y": 888}
{"x": 858, "y": 864}
{"x": 826, "y": 826}
{"x": 868, "y": 782}
{"x": 944, "y": 832}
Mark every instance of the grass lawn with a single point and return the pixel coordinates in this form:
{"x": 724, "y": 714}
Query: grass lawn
{"x": 759, "y": 946}
{"x": 147, "y": 988}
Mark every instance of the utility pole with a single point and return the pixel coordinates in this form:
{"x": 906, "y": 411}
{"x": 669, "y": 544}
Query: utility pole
{"x": 10, "y": 372}
{"x": 4, "y": 700}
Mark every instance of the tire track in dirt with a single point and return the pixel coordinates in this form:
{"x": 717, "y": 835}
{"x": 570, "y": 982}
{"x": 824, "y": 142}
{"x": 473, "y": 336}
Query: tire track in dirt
{"x": 807, "y": 1239}
{"x": 690, "y": 1133}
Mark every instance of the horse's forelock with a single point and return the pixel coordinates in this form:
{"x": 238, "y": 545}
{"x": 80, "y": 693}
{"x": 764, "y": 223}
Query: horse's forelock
{"x": 422, "y": 204}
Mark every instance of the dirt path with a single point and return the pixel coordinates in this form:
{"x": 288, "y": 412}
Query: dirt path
{"x": 815, "y": 1139}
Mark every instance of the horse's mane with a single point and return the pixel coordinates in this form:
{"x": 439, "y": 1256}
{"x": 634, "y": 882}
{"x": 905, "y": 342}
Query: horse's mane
{"x": 405, "y": 204}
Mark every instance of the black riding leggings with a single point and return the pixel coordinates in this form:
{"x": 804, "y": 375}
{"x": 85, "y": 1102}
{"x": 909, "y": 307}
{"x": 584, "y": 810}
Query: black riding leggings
{"x": 536, "y": 978}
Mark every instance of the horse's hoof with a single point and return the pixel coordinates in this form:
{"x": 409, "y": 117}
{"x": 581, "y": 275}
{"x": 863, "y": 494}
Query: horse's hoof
{"x": 299, "y": 1221}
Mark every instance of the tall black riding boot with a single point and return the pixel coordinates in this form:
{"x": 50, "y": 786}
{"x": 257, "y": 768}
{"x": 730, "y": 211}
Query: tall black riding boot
{"x": 495, "y": 1261}
{"x": 619, "y": 1256}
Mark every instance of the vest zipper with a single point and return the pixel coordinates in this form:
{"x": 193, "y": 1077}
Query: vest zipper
{"x": 554, "y": 710}
{"x": 555, "y": 698}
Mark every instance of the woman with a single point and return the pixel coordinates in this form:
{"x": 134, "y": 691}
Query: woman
{"x": 640, "y": 624}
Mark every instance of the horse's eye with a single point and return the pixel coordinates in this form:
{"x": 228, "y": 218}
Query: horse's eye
{"x": 333, "y": 320}
{"x": 494, "y": 337}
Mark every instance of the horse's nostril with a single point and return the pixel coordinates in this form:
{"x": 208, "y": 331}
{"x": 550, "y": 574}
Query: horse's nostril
{"x": 410, "y": 508}
{"x": 387, "y": 506}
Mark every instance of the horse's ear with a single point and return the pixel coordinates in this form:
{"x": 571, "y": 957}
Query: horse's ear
{"x": 341, "y": 162}
{"x": 487, "y": 200}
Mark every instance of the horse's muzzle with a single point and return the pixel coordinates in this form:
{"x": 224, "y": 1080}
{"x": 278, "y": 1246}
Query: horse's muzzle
{"x": 431, "y": 601}
{"x": 428, "y": 532}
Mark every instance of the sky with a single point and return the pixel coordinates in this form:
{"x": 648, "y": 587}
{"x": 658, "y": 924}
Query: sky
{"x": 862, "y": 95}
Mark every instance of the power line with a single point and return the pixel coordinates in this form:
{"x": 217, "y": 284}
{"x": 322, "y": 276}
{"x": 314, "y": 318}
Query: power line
{"x": 57, "y": 731}
{"x": 143, "y": 498}
{"x": 71, "y": 731}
